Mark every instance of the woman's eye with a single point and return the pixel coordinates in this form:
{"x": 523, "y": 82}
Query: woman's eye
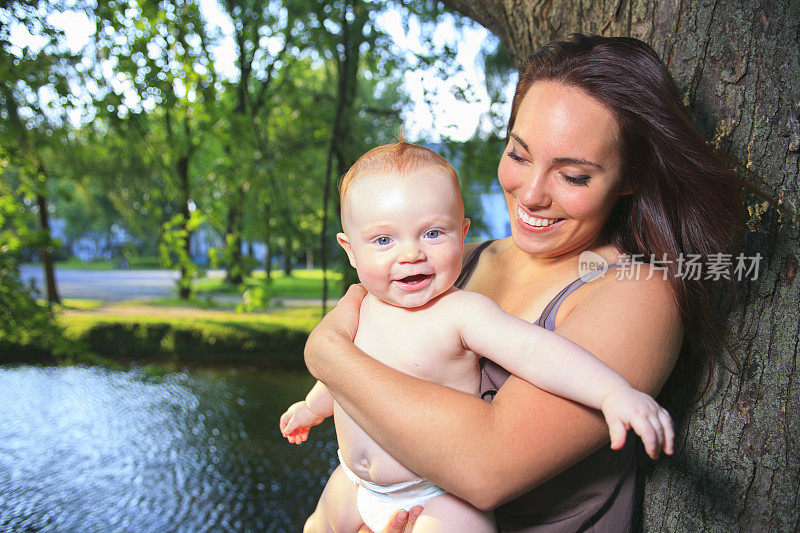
{"x": 433, "y": 233}
{"x": 383, "y": 241}
{"x": 577, "y": 180}
{"x": 515, "y": 156}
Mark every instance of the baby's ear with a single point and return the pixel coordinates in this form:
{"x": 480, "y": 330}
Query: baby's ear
{"x": 344, "y": 242}
{"x": 465, "y": 228}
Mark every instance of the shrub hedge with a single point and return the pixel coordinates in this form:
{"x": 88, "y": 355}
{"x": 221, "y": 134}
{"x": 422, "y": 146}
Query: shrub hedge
{"x": 227, "y": 338}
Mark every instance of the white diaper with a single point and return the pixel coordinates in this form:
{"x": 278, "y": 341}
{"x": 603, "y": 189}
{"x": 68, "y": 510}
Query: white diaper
{"x": 377, "y": 503}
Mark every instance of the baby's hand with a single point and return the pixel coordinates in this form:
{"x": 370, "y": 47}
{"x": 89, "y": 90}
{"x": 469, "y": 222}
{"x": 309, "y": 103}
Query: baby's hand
{"x": 625, "y": 408}
{"x": 297, "y": 421}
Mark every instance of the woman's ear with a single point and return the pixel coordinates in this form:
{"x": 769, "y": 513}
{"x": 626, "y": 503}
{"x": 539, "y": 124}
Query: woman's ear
{"x": 344, "y": 242}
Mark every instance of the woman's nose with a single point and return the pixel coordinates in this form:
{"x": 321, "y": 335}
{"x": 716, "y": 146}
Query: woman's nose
{"x": 411, "y": 253}
{"x": 535, "y": 192}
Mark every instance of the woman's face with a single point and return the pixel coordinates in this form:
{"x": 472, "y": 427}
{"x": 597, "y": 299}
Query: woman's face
{"x": 561, "y": 170}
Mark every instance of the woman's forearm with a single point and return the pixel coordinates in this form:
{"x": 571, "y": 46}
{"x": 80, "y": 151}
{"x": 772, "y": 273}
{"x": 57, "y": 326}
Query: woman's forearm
{"x": 484, "y": 453}
{"x": 362, "y": 386}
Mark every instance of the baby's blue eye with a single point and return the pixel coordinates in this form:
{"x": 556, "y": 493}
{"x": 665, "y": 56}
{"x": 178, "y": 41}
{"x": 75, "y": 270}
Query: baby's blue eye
{"x": 383, "y": 241}
{"x": 432, "y": 234}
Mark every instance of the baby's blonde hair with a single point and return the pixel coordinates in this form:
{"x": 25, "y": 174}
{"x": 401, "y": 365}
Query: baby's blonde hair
{"x": 397, "y": 158}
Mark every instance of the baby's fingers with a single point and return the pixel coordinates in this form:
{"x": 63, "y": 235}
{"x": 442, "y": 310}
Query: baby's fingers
{"x": 617, "y": 431}
{"x": 644, "y": 428}
{"x": 289, "y": 425}
{"x": 657, "y": 427}
{"x": 284, "y": 421}
{"x": 669, "y": 432}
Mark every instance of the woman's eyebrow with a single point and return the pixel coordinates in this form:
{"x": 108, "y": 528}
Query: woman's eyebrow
{"x": 520, "y": 141}
{"x": 560, "y": 160}
{"x": 577, "y": 161}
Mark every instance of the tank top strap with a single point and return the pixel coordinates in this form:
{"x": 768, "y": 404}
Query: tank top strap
{"x": 547, "y": 319}
{"x": 493, "y": 375}
{"x": 470, "y": 263}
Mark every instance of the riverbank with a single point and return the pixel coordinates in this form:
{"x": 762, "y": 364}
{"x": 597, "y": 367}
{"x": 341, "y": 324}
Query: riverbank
{"x": 138, "y": 330}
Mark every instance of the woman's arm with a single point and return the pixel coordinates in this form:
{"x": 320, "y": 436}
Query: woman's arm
{"x": 559, "y": 366}
{"x": 526, "y": 436}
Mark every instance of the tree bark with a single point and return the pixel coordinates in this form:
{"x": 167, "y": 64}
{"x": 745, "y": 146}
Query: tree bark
{"x": 288, "y": 252}
{"x": 235, "y": 268}
{"x": 352, "y": 35}
{"x": 182, "y": 167}
{"x": 737, "y": 465}
{"x": 47, "y": 252}
{"x": 268, "y": 243}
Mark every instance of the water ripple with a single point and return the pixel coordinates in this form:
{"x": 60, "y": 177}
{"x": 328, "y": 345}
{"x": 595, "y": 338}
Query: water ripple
{"x": 88, "y": 449}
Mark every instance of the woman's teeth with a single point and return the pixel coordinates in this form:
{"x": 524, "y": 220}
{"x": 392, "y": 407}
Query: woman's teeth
{"x": 535, "y": 221}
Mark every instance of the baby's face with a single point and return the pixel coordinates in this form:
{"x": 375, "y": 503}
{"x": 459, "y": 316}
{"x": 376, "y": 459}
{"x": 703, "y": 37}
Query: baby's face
{"x": 404, "y": 235}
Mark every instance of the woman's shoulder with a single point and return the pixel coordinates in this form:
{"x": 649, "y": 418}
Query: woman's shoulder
{"x": 639, "y": 285}
{"x": 635, "y": 289}
{"x": 632, "y": 323}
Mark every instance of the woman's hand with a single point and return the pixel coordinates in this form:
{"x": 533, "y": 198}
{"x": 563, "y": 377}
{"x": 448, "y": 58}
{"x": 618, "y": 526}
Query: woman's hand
{"x": 401, "y": 522}
{"x": 339, "y": 325}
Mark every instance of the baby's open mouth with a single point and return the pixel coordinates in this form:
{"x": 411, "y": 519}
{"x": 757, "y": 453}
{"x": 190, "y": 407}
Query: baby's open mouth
{"x": 416, "y": 278}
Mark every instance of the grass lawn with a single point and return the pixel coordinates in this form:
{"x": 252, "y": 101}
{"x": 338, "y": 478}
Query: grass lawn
{"x": 301, "y": 284}
{"x": 81, "y": 304}
{"x": 134, "y": 330}
{"x": 297, "y": 318}
{"x": 137, "y": 263}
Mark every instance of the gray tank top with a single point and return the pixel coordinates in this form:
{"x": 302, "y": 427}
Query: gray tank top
{"x": 597, "y": 493}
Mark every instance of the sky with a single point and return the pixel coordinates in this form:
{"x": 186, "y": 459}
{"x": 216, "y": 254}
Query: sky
{"x": 450, "y": 116}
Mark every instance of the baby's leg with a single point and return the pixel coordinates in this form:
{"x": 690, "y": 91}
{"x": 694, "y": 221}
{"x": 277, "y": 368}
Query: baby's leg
{"x": 336, "y": 510}
{"x": 448, "y": 513}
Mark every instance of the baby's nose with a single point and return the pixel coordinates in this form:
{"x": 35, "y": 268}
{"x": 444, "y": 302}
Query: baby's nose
{"x": 411, "y": 253}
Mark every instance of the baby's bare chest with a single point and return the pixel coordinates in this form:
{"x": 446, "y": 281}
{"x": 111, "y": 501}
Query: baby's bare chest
{"x": 421, "y": 344}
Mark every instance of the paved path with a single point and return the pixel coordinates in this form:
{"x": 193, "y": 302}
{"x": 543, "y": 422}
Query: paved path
{"x": 125, "y": 284}
{"x": 108, "y": 285}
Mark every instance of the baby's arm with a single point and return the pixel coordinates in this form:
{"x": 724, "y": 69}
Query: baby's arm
{"x": 298, "y": 419}
{"x": 561, "y": 367}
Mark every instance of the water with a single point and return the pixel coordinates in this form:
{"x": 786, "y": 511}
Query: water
{"x": 89, "y": 449}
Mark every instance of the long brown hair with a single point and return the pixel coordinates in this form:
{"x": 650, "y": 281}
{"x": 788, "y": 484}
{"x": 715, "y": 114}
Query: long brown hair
{"x": 685, "y": 200}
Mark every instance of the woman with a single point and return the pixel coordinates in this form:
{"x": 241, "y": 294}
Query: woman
{"x": 600, "y": 158}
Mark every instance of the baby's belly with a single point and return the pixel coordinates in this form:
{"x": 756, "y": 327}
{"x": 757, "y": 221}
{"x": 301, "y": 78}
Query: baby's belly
{"x": 363, "y": 455}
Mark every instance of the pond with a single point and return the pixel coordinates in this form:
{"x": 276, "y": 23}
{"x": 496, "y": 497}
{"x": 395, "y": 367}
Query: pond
{"x": 91, "y": 449}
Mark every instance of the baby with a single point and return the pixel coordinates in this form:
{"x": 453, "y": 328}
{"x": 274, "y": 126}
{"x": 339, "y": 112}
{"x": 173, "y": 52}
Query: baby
{"x": 404, "y": 229}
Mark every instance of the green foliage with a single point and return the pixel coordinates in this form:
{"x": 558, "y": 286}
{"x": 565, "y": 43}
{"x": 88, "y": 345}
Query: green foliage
{"x": 27, "y": 329}
{"x": 278, "y": 337}
{"x": 173, "y": 247}
{"x": 302, "y": 284}
{"x": 254, "y": 298}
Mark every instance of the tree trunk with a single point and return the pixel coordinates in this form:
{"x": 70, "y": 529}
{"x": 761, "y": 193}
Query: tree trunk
{"x": 233, "y": 239}
{"x": 737, "y": 465}
{"x": 268, "y": 243}
{"x": 47, "y": 252}
{"x": 353, "y": 18}
{"x": 287, "y": 257}
{"x": 185, "y": 290}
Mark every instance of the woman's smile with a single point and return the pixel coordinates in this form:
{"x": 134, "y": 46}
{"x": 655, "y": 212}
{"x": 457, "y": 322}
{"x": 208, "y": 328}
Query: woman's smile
{"x": 534, "y": 222}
